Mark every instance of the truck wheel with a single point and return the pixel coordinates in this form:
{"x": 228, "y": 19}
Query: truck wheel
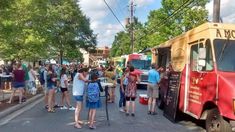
{"x": 216, "y": 123}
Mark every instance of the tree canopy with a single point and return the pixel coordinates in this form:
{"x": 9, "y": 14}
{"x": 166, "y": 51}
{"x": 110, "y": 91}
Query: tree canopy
{"x": 172, "y": 19}
{"x": 38, "y": 29}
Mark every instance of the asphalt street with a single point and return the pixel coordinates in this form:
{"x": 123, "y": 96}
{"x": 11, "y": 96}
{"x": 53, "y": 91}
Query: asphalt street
{"x": 37, "y": 119}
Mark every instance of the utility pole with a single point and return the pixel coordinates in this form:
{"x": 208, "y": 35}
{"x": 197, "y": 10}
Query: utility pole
{"x": 216, "y": 11}
{"x": 132, "y": 26}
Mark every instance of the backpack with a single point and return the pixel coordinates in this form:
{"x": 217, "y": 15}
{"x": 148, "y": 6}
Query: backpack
{"x": 41, "y": 78}
{"x": 93, "y": 92}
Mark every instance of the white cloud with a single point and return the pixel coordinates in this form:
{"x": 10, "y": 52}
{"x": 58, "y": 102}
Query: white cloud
{"x": 227, "y": 10}
{"x": 141, "y": 3}
{"x": 106, "y": 34}
{"x": 96, "y": 10}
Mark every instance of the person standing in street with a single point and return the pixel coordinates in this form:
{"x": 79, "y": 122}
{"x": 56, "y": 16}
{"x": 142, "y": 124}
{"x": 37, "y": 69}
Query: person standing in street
{"x": 78, "y": 92}
{"x": 32, "y": 79}
{"x": 153, "y": 89}
{"x": 18, "y": 82}
{"x": 51, "y": 85}
{"x": 64, "y": 89}
{"x": 131, "y": 91}
{"x": 93, "y": 99}
{"x": 123, "y": 84}
{"x": 43, "y": 78}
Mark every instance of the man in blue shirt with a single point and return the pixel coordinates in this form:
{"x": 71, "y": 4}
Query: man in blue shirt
{"x": 152, "y": 90}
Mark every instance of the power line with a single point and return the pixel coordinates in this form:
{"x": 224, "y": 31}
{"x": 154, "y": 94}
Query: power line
{"x": 185, "y": 4}
{"x": 114, "y": 14}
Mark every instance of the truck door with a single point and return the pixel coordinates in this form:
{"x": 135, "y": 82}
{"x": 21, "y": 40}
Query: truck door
{"x": 201, "y": 78}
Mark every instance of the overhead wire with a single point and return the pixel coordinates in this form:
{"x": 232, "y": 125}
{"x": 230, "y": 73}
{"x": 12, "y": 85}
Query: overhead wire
{"x": 114, "y": 15}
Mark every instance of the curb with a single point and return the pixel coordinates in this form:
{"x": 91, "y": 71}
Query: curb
{"x": 19, "y": 106}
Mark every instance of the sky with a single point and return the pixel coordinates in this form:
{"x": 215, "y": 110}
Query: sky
{"x": 105, "y": 25}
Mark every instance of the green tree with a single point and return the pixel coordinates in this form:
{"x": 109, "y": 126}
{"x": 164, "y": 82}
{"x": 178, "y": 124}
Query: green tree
{"x": 168, "y": 22}
{"x": 34, "y": 29}
{"x": 122, "y": 41}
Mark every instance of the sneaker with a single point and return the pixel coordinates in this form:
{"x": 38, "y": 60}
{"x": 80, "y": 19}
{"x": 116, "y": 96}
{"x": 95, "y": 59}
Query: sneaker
{"x": 132, "y": 114}
{"x": 127, "y": 114}
{"x": 71, "y": 108}
{"x": 121, "y": 110}
{"x": 57, "y": 106}
{"x": 63, "y": 108}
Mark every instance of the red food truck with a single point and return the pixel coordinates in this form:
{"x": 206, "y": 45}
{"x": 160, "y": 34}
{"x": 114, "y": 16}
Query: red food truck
{"x": 200, "y": 80}
{"x": 142, "y": 64}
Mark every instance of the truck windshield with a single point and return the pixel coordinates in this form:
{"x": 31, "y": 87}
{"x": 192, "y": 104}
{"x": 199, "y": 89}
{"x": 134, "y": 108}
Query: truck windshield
{"x": 224, "y": 53}
{"x": 141, "y": 64}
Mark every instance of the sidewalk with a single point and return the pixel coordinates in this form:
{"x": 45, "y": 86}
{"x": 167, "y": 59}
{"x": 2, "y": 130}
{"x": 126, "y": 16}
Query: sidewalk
{"x": 4, "y": 97}
{"x": 6, "y": 108}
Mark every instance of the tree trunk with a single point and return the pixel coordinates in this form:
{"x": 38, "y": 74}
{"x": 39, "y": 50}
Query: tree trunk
{"x": 61, "y": 57}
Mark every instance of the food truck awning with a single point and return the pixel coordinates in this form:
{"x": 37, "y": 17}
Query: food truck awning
{"x": 164, "y": 45}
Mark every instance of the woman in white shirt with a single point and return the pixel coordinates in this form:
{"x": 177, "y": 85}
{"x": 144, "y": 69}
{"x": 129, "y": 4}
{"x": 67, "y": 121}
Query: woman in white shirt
{"x": 64, "y": 90}
{"x": 78, "y": 91}
{"x": 32, "y": 79}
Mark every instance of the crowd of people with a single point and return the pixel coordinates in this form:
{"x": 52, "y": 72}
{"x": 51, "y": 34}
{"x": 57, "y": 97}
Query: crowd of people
{"x": 85, "y": 83}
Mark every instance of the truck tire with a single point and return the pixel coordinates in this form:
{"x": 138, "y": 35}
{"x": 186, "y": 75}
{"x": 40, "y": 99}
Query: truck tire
{"x": 216, "y": 123}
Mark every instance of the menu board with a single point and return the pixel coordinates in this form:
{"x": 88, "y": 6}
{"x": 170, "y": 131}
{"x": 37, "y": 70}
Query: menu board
{"x": 171, "y": 102}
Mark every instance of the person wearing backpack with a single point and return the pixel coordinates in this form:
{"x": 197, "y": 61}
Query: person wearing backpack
{"x": 43, "y": 81}
{"x": 93, "y": 99}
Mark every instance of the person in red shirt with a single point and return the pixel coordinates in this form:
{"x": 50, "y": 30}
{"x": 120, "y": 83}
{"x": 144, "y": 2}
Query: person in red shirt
{"x": 18, "y": 82}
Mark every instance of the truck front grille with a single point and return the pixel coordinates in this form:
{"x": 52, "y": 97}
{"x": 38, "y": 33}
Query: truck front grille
{"x": 144, "y": 78}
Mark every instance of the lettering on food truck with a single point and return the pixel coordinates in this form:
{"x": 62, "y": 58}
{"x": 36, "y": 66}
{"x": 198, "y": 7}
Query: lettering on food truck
{"x": 227, "y": 33}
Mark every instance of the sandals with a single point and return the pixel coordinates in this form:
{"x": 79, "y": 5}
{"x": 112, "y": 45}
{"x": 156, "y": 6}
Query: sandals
{"x": 154, "y": 113}
{"x": 110, "y": 101}
{"x": 77, "y": 126}
{"x": 92, "y": 127}
{"x": 80, "y": 122}
{"x": 51, "y": 111}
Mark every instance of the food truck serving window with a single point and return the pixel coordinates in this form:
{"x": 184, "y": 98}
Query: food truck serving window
{"x": 209, "y": 57}
{"x": 224, "y": 53}
{"x": 194, "y": 56}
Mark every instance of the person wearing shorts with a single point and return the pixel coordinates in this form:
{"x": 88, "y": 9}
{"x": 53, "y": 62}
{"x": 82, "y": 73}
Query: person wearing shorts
{"x": 131, "y": 91}
{"x": 18, "y": 83}
{"x": 152, "y": 90}
{"x": 51, "y": 84}
{"x": 78, "y": 92}
{"x": 64, "y": 90}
